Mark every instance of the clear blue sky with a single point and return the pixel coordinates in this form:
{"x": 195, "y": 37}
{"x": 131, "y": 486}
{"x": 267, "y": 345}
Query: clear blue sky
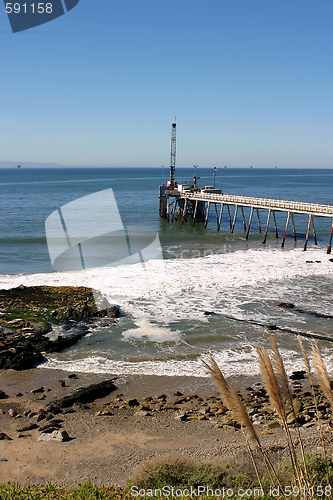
{"x": 250, "y": 82}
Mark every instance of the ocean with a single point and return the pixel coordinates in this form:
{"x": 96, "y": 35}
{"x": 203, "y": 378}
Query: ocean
{"x": 163, "y": 329}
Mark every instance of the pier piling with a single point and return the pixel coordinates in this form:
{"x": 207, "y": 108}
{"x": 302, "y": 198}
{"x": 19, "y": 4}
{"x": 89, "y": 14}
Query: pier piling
{"x": 307, "y": 233}
{"x": 248, "y": 227}
{"x": 266, "y": 231}
{"x": 195, "y": 203}
{"x": 285, "y": 231}
{"x": 258, "y": 220}
{"x": 207, "y": 213}
{"x": 275, "y": 226}
{"x": 233, "y": 224}
{"x": 243, "y": 219}
{"x": 220, "y": 218}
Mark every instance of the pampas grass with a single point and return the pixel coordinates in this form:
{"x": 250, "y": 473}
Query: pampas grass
{"x": 308, "y": 370}
{"x": 321, "y": 372}
{"x": 277, "y": 385}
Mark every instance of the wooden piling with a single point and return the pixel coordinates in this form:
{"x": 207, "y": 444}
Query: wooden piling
{"x": 167, "y": 208}
{"x": 285, "y": 231}
{"x": 275, "y": 226}
{"x": 217, "y": 217}
{"x": 243, "y": 219}
{"x": 233, "y": 224}
{"x": 248, "y": 227}
{"x": 229, "y": 216}
{"x": 195, "y": 211}
{"x": 184, "y": 211}
{"x": 330, "y": 242}
{"x": 314, "y": 231}
{"x": 174, "y": 208}
{"x": 258, "y": 221}
{"x": 206, "y": 221}
{"x": 266, "y": 231}
{"x": 292, "y": 220}
{"x": 307, "y": 233}
{"x": 220, "y": 218}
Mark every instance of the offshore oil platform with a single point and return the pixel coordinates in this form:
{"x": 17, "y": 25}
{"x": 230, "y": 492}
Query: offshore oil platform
{"x": 185, "y": 199}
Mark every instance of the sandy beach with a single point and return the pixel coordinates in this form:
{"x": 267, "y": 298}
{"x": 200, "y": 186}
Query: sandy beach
{"x": 145, "y": 420}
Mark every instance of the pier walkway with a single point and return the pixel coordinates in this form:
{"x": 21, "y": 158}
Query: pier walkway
{"x": 197, "y": 204}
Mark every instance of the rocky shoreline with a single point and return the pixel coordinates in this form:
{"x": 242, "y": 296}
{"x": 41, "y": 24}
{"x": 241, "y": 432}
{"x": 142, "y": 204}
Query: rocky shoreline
{"x": 27, "y": 315}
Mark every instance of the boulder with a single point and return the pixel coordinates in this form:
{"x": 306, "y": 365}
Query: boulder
{"x": 28, "y": 428}
{"x": 57, "y": 435}
{"x": 132, "y": 402}
{"x": 88, "y": 394}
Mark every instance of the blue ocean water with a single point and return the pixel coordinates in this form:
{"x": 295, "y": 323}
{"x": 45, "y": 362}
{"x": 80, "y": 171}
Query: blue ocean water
{"x": 163, "y": 328}
{"x": 28, "y": 196}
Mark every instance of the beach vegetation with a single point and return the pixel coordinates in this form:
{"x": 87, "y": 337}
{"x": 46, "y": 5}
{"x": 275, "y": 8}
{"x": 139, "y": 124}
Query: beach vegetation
{"x": 182, "y": 474}
{"x": 303, "y": 471}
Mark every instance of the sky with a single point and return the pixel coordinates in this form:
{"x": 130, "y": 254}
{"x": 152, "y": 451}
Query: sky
{"x": 249, "y": 82}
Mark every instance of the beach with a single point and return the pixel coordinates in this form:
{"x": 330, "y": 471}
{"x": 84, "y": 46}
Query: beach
{"x": 146, "y": 420}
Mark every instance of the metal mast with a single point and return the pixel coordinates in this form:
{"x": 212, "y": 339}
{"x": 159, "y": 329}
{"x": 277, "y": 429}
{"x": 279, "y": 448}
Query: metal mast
{"x": 173, "y": 154}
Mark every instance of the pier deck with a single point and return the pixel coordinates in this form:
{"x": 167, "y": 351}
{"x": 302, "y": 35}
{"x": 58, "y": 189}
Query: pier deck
{"x": 197, "y": 205}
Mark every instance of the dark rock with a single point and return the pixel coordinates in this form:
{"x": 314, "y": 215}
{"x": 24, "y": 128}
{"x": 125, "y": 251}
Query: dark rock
{"x": 19, "y": 395}
{"x": 178, "y": 393}
{"x": 68, "y": 410}
{"x": 53, "y": 408}
{"x": 37, "y": 391}
{"x": 72, "y": 375}
{"x": 272, "y": 327}
{"x": 132, "y": 402}
{"x": 63, "y": 383}
{"x": 88, "y": 394}
{"x": 286, "y": 305}
{"x": 4, "y": 437}
{"x": 50, "y": 428}
{"x": 297, "y": 375}
{"x": 28, "y": 428}
{"x": 3, "y": 395}
{"x": 209, "y": 313}
{"x": 54, "y": 424}
{"x": 41, "y": 415}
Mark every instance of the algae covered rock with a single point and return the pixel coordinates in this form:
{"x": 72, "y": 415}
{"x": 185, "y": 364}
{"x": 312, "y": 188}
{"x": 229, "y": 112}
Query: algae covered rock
{"x": 28, "y": 313}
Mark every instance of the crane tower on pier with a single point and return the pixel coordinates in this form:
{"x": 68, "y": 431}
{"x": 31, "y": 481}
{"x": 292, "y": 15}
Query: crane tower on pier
{"x": 173, "y": 155}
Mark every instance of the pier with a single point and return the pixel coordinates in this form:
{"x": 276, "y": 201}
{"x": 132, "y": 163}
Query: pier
{"x": 186, "y": 199}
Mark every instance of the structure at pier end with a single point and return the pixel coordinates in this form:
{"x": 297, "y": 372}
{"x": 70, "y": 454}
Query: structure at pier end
{"x": 185, "y": 199}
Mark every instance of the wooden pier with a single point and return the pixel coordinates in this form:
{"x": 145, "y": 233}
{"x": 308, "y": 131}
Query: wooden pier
{"x": 197, "y": 204}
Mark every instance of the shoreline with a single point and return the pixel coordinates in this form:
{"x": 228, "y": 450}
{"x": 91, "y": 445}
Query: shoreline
{"x": 14, "y": 382}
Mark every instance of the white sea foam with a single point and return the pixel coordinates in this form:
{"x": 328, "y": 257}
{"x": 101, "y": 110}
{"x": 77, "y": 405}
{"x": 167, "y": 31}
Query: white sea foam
{"x": 171, "y": 291}
{"x": 151, "y": 332}
{"x": 232, "y": 363}
{"x": 187, "y": 286}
